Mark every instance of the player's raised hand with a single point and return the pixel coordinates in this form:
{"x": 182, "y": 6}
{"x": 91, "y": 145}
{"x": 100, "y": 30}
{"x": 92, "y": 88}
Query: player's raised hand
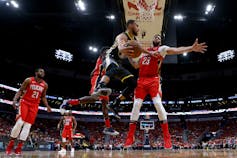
{"x": 14, "y": 104}
{"x": 128, "y": 51}
{"x": 154, "y": 54}
{"x": 199, "y": 47}
{"x": 49, "y": 109}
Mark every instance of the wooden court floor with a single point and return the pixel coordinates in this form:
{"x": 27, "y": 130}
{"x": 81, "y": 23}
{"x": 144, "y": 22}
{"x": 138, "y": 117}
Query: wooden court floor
{"x": 131, "y": 154}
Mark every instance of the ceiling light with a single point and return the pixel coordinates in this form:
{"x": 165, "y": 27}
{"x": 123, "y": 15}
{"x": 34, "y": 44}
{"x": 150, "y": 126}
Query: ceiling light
{"x": 95, "y": 50}
{"x": 209, "y": 9}
{"x": 80, "y": 5}
{"x": 14, "y": 4}
{"x": 178, "y": 17}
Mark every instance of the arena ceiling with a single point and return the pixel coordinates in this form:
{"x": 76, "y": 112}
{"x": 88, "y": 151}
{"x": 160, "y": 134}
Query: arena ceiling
{"x": 31, "y": 33}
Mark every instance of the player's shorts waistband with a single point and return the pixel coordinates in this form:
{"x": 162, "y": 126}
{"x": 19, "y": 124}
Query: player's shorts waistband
{"x": 29, "y": 102}
{"x": 149, "y": 77}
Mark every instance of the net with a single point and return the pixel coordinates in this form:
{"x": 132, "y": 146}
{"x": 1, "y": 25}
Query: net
{"x": 146, "y": 10}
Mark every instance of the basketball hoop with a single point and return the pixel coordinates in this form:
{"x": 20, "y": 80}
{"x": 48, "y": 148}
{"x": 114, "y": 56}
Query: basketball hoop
{"x": 146, "y": 9}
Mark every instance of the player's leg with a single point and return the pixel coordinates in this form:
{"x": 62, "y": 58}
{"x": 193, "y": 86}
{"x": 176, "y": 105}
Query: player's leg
{"x": 111, "y": 71}
{"x": 64, "y": 141}
{"x": 86, "y": 99}
{"x": 22, "y": 112}
{"x": 133, "y": 122}
{"x": 108, "y": 128}
{"x": 70, "y": 139}
{"x": 29, "y": 120}
{"x": 162, "y": 115}
{"x": 127, "y": 79}
{"x": 139, "y": 95}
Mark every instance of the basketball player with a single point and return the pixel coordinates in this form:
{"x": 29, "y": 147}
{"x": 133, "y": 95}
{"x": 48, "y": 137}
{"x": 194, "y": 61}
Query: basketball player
{"x": 115, "y": 58}
{"x": 149, "y": 83}
{"x": 69, "y": 127}
{"x": 32, "y": 90}
{"x": 96, "y": 75}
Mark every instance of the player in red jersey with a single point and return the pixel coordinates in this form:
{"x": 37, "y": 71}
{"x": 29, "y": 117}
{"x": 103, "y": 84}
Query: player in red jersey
{"x": 32, "y": 90}
{"x": 69, "y": 126}
{"x": 96, "y": 75}
{"x": 149, "y": 83}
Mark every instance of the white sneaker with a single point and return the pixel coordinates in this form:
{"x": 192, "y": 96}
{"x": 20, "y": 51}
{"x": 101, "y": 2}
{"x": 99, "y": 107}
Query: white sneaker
{"x": 72, "y": 150}
{"x": 62, "y": 151}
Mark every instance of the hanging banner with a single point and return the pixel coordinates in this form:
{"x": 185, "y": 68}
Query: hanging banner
{"x": 149, "y": 16}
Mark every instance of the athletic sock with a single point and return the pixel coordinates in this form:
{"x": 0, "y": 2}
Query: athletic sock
{"x": 132, "y": 129}
{"x": 107, "y": 123}
{"x": 165, "y": 129}
{"x": 19, "y": 146}
{"x": 74, "y": 102}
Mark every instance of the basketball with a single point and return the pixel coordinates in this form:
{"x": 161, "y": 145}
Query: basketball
{"x": 136, "y": 47}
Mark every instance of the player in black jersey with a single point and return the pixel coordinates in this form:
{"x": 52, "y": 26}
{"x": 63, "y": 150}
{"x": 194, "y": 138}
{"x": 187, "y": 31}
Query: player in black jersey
{"x": 113, "y": 64}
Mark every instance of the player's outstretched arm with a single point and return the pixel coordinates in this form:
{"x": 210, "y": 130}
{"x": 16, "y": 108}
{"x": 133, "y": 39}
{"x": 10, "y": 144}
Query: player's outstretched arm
{"x": 74, "y": 124}
{"x": 20, "y": 92}
{"x": 44, "y": 99}
{"x": 60, "y": 122}
{"x": 196, "y": 47}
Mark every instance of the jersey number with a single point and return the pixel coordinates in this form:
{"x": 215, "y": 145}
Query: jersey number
{"x": 146, "y": 60}
{"x": 35, "y": 94}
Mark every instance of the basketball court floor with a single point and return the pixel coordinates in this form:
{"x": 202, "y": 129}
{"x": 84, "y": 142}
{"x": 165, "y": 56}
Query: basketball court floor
{"x": 132, "y": 154}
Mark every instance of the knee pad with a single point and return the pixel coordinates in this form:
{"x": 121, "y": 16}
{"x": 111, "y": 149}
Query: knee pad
{"x": 25, "y": 131}
{"x": 136, "y": 109}
{"x": 162, "y": 115}
{"x": 17, "y": 128}
{"x": 131, "y": 84}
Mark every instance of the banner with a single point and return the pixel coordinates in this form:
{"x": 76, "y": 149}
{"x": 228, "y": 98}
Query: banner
{"x": 149, "y": 16}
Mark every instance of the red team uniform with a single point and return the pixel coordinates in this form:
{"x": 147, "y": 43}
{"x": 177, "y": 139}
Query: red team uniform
{"x": 67, "y": 128}
{"x": 29, "y": 102}
{"x": 149, "y": 78}
{"x": 96, "y": 75}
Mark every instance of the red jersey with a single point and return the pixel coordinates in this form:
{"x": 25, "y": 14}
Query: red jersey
{"x": 98, "y": 70}
{"x": 34, "y": 91}
{"x": 67, "y": 122}
{"x": 149, "y": 65}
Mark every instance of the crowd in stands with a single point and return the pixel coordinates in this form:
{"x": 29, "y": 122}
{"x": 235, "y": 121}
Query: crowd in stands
{"x": 188, "y": 135}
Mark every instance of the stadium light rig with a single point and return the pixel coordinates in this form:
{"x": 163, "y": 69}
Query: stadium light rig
{"x": 178, "y": 17}
{"x": 227, "y": 55}
{"x": 63, "y": 55}
{"x": 12, "y": 3}
{"x": 93, "y": 49}
{"x": 185, "y": 54}
{"x": 111, "y": 17}
{"x": 209, "y": 9}
{"x": 80, "y": 5}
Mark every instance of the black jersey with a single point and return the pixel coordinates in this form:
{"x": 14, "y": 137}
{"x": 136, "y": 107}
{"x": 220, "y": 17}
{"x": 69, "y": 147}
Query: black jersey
{"x": 114, "y": 53}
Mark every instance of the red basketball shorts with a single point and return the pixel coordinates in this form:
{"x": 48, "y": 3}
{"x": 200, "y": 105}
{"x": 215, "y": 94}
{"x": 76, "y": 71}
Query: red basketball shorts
{"x": 28, "y": 111}
{"x": 149, "y": 85}
{"x": 67, "y": 133}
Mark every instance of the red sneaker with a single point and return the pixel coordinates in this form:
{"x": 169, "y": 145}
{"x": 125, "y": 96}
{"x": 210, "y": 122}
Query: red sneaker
{"x": 8, "y": 152}
{"x": 129, "y": 142}
{"x": 18, "y": 149}
{"x": 10, "y": 147}
{"x": 167, "y": 142}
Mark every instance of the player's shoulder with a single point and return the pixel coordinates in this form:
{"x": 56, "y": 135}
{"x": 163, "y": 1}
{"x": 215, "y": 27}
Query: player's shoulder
{"x": 28, "y": 79}
{"x": 122, "y": 35}
{"x": 163, "y": 48}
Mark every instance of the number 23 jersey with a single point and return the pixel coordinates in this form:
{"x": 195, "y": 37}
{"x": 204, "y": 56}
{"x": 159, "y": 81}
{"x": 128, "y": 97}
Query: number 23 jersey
{"x": 34, "y": 91}
{"x": 149, "y": 65}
